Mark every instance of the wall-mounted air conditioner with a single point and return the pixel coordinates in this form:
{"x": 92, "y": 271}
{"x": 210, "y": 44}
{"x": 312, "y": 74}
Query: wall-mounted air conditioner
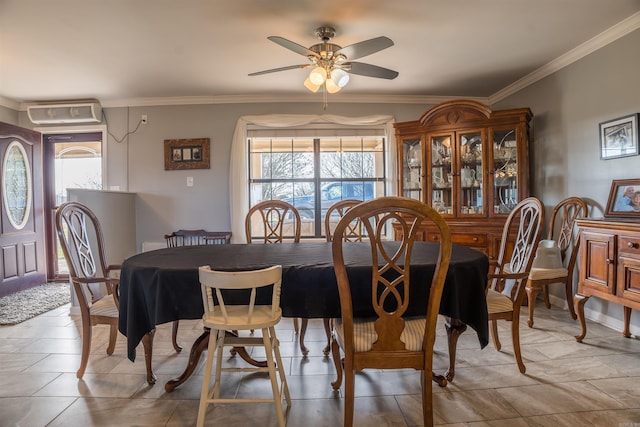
{"x": 81, "y": 112}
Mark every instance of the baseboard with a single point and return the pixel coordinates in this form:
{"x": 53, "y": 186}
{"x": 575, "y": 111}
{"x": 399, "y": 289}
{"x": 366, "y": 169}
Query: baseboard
{"x": 596, "y": 316}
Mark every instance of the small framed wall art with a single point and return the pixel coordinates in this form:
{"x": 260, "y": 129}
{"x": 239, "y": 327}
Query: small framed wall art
{"x": 619, "y": 137}
{"x": 624, "y": 199}
{"x": 182, "y": 154}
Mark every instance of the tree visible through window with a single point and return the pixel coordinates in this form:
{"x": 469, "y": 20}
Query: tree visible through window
{"x": 314, "y": 173}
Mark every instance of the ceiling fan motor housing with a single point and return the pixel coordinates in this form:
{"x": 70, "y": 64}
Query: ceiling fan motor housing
{"x": 325, "y": 33}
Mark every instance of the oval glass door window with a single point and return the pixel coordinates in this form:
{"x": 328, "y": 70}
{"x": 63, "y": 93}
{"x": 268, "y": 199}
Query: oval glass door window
{"x": 16, "y": 185}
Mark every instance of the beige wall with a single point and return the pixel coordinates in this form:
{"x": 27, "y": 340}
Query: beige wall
{"x": 8, "y": 115}
{"x": 567, "y": 108}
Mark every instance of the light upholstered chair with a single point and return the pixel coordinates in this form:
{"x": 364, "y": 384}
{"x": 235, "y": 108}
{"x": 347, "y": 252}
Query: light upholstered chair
{"x": 556, "y": 256}
{"x": 389, "y": 340}
{"x": 193, "y": 238}
{"x": 220, "y": 317}
{"x": 276, "y": 221}
{"x": 82, "y": 243}
{"x": 506, "y": 283}
{"x": 353, "y": 233}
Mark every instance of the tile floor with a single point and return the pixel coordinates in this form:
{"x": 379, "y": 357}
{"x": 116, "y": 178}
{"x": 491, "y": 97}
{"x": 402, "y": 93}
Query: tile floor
{"x": 567, "y": 383}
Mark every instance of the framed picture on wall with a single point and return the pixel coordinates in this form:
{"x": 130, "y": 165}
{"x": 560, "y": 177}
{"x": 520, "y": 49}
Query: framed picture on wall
{"x": 182, "y": 154}
{"x": 624, "y": 199}
{"x": 619, "y": 137}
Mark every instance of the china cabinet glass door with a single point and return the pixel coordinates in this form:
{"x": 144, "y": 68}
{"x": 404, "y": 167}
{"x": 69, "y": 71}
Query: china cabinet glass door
{"x": 505, "y": 170}
{"x": 470, "y": 174}
{"x": 442, "y": 188}
{"x": 412, "y": 168}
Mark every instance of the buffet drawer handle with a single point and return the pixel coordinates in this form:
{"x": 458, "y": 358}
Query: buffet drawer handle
{"x": 609, "y": 261}
{"x": 632, "y": 245}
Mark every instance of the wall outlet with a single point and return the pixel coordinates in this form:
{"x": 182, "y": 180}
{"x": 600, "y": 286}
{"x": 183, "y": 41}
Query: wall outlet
{"x": 143, "y": 119}
{"x": 189, "y": 181}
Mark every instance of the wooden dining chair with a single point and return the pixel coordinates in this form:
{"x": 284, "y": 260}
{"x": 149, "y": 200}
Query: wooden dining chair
{"x": 390, "y": 340}
{"x": 197, "y": 237}
{"x": 276, "y": 221}
{"x": 221, "y": 316}
{"x": 354, "y": 233}
{"x": 561, "y": 236}
{"x": 506, "y": 282}
{"x": 81, "y": 239}
{"x": 193, "y": 238}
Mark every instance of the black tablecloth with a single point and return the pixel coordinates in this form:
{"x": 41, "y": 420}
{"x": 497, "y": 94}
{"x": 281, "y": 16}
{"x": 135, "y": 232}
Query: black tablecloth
{"x": 161, "y": 286}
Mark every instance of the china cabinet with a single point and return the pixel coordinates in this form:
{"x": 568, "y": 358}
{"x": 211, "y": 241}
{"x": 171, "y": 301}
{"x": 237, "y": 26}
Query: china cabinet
{"x": 609, "y": 267}
{"x": 469, "y": 163}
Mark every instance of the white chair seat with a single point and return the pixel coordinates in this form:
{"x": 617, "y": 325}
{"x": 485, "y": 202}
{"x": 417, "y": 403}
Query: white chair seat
{"x": 365, "y": 334}
{"x": 548, "y": 273}
{"x": 237, "y": 318}
{"x": 498, "y": 303}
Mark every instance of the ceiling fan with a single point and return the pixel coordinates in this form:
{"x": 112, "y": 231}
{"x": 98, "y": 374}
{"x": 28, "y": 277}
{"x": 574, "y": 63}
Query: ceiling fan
{"x": 332, "y": 63}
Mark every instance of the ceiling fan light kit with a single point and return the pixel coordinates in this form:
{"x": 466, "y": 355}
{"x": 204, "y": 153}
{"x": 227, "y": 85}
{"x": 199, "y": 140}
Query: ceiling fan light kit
{"x": 318, "y": 75}
{"x": 309, "y": 85}
{"x": 331, "y": 64}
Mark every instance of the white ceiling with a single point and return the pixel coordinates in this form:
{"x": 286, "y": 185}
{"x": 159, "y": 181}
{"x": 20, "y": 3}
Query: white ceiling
{"x": 136, "y": 52}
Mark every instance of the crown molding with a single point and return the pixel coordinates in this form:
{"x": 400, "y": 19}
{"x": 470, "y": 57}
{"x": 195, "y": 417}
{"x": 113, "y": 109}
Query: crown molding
{"x": 253, "y": 99}
{"x": 606, "y": 37}
{"x": 9, "y": 103}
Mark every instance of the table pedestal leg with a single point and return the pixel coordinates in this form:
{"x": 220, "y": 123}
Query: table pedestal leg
{"x": 199, "y": 346}
{"x": 147, "y": 343}
{"x": 455, "y": 328}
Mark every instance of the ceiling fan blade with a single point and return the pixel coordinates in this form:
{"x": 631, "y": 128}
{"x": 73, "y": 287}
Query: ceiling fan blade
{"x": 292, "y": 46}
{"x": 369, "y": 70}
{"x": 274, "y": 70}
{"x": 364, "y": 48}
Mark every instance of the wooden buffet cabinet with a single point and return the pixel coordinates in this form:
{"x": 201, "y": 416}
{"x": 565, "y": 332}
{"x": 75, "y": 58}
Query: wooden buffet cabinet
{"x": 468, "y": 162}
{"x": 609, "y": 266}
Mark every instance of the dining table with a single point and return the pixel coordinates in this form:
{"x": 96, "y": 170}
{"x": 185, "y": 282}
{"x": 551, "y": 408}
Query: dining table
{"x": 162, "y": 286}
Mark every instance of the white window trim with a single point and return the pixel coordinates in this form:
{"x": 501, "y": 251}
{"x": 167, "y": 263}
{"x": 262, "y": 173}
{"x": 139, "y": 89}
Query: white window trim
{"x": 238, "y": 170}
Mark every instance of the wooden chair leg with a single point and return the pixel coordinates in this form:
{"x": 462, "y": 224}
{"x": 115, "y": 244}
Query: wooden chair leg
{"x": 147, "y": 343}
{"x": 427, "y": 399}
{"x": 303, "y": 330}
{"x": 569, "y": 294}
{"x": 86, "y": 346}
{"x": 515, "y": 335}
{"x": 545, "y": 294}
{"x": 174, "y": 336}
{"x": 494, "y": 335}
{"x": 113, "y": 336}
{"x": 327, "y": 330}
{"x": 349, "y": 396}
{"x": 337, "y": 361}
{"x": 532, "y": 293}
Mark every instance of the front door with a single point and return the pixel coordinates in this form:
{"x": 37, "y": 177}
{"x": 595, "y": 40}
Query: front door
{"x": 22, "y": 246}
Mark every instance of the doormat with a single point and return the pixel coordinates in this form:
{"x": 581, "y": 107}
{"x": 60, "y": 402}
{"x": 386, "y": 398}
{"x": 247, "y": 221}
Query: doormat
{"x": 24, "y": 305}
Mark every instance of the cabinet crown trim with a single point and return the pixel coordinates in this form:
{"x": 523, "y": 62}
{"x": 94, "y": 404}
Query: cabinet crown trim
{"x": 455, "y": 111}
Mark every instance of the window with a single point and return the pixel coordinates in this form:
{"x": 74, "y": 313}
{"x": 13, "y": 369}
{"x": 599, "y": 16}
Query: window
{"x": 312, "y": 173}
